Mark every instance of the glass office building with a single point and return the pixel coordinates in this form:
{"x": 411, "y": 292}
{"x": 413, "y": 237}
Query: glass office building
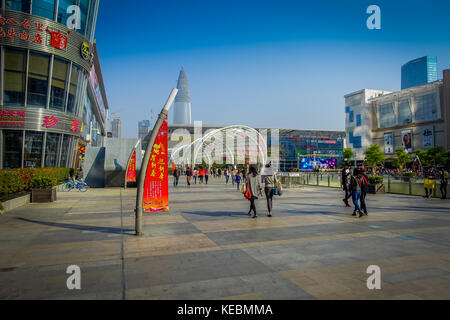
{"x": 52, "y": 97}
{"x": 419, "y": 71}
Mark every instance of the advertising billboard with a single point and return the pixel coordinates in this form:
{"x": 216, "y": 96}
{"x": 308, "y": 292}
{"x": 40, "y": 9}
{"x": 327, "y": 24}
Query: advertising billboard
{"x": 308, "y": 163}
{"x": 427, "y": 134}
{"x": 389, "y": 143}
{"x": 407, "y": 140}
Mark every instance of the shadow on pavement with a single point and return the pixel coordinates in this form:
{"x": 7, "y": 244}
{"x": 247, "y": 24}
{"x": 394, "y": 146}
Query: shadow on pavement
{"x": 81, "y": 227}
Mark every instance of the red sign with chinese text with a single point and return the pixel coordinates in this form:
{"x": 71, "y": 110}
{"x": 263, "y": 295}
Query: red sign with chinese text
{"x": 12, "y": 117}
{"x": 156, "y": 184}
{"x": 131, "y": 170}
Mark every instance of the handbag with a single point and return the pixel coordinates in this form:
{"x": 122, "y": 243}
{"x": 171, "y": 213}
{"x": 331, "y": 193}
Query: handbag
{"x": 248, "y": 194}
{"x": 278, "y": 189}
{"x": 243, "y": 188}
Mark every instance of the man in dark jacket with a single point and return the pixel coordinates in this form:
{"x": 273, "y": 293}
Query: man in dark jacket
{"x": 345, "y": 181}
{"x": 364, "y": 189}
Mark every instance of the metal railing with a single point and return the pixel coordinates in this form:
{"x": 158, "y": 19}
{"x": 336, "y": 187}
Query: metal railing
{"x": 393, "y": 184}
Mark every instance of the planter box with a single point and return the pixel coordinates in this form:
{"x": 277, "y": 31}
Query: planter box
{"x": 43, "y": 195}
{"x": 376, "y": 188}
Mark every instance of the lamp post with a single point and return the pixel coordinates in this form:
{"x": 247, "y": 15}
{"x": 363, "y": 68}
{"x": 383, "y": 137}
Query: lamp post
{"x": 148, "y": 151}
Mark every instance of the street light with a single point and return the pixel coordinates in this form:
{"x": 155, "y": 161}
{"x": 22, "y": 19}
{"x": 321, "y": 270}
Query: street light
{"x": 148, "y": 151}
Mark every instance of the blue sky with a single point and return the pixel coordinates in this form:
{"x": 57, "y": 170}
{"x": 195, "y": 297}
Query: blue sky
{"x": 284, "y": 64}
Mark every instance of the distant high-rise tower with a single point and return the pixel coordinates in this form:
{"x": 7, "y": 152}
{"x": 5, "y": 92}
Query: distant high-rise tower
{"x": 116, "y": 127}
{"x": 143, "y": 129}
{"x": 182, "y": 105}
{"x": 419, "y": 71}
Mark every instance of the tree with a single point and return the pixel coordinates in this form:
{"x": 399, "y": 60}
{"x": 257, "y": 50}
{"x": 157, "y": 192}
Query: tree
{"x": 347, "y": 154}
{"x": 402, "y": 159}
{"x": 433, "y": 156}
{"x": 374, "y": 155}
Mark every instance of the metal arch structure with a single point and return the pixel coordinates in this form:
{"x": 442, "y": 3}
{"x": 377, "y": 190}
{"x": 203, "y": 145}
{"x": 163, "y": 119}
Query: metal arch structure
{"x": 201, "y": 142}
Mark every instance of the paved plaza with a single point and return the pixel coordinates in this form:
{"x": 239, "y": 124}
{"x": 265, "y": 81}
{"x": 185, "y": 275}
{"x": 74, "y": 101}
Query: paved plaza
{"x": 208, "y": 248}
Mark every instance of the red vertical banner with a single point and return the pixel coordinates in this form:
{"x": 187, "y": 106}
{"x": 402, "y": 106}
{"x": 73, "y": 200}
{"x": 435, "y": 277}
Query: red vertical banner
{"x": 156, "y": 184}
{"x": 131, "y": 170}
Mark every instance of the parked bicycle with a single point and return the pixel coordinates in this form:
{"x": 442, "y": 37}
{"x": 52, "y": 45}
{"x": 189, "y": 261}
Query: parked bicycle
{"x": 75, "y": 184}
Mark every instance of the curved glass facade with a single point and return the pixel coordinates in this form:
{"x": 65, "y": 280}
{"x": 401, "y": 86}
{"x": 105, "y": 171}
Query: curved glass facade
{"x": 61, "y": 11}
{"x": 44, "y": 89}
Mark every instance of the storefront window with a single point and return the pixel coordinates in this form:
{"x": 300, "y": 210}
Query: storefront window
{"x": 18, "y": 5}
{"x": 75, "y": 79}
{"x": 32, "y": 149}
{"x": 14, "y": 92}
{"x": 59, "y": 76}
{"x": 38, "y": 80}
{"x": 12, "y": 149}
{"x": 51, "y": 149}
{"x": 44, "y": 8}
{"x": 67, "y": 140}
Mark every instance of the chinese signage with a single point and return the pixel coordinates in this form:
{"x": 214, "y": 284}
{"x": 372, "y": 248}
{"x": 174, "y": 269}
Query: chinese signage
{"x": 12, "y": 118}
{"x": 389, "y": 143}
{"x": 156, "y": 185}
{"x": 427, "y": 134}
{"x": 407, "y": 140}
{"x": 32, "y": 118}
{"x": 23, "y": 30}
{"x": 131, "y": 169}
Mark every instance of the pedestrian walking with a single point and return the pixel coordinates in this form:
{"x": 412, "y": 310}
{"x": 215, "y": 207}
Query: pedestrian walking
{"x": 269, "y": 180}
{"x": 429, "y": 183}
{"x": 233, "y": 176}
{"x": 444, "y": 183}
{"x": 176, "y": 176}
{"x": 206, "y": 175}
{"x": 227, "y": 175}
{"x": 254, "y": 189}
{"x": 188, "y": 176}
{"x": 195, "y": 175}
{"x": 345, "y": 181}
{"x": 238, "y": 179}
{"x": 201, "y": 173}
{"x": 364, "y": 190}
{"x": 355, "y": 187}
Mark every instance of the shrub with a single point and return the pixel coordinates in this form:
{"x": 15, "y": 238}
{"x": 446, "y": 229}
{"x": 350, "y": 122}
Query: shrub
{"x": 375, "y": 179}
{"x": 43, "y": 182}
{"x": 14, "y": 181}
{"x": 409, "y": 174}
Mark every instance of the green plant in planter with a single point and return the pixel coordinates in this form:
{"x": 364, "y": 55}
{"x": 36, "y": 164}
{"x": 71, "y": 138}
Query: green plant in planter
{"x": 375, "y": 179}
{"x": 43, "y": 182}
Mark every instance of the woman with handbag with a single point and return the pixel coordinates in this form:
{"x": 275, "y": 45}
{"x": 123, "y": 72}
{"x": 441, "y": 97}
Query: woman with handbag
{"x": 269, "y": 180}
{"x": 253, "y": 189}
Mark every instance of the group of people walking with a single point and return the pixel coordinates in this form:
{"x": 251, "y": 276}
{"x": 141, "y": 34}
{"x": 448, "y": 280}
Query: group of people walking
{"x": 356, "y": 185}
{"x": 431, "y": 175}
{"x": 254, "y": 183}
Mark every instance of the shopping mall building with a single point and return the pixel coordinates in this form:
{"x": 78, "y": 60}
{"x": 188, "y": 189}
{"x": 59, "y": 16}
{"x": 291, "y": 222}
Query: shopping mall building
{"x": 414, "y": 118}
{"x": 297, "y": 149}
{"x": 52, "y": 98}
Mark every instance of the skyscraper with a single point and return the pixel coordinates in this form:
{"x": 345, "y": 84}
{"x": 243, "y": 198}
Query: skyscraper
{"x": 116, "y": 127}
{"x": 419, "y": 71}
{"x": 143, "y": 129}
{"x": 182, "y": 106}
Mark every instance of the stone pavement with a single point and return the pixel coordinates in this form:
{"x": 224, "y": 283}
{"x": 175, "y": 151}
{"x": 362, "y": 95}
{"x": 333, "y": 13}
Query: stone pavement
{"x": 208, "y": 248}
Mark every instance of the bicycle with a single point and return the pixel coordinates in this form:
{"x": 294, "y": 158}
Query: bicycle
{"x": 78, "y": 184}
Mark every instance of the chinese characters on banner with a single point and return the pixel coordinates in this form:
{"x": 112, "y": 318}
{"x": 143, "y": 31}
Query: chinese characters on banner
{"x": 131, "y": 170}
{"x": 156, "y": 184}
{"x": 31, "y": 32}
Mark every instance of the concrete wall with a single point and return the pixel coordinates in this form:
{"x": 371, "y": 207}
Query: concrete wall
{"x": 117, "y": 153}
{"x": 94, "y": 167}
